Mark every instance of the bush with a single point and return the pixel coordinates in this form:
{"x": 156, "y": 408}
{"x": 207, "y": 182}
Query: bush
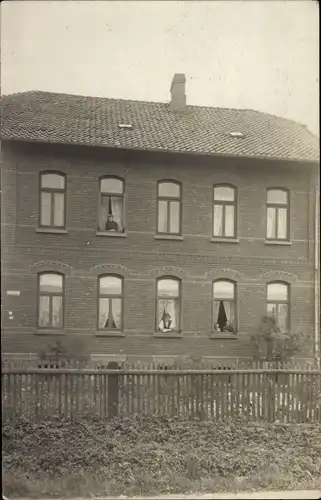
{"x": 273, "y": 345}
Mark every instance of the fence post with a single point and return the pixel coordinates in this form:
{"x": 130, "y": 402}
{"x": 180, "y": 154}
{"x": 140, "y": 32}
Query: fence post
{"x": 113, "y": 390}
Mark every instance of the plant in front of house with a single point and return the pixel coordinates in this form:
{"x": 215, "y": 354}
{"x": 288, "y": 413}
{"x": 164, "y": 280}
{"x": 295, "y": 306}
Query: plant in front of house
{"x": 271, "y": 344}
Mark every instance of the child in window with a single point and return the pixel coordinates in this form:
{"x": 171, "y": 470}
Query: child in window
{"x": 217, "y": 327}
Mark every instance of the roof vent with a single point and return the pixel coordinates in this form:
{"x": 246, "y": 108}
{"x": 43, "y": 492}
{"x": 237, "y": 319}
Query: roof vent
{"x": 237, "y": 134}
{"x": 125, "y": 125}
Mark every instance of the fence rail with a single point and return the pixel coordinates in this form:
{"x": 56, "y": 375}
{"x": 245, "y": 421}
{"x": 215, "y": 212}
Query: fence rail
{"x": 272, "y": 395}
{"x": 204, "y": 363}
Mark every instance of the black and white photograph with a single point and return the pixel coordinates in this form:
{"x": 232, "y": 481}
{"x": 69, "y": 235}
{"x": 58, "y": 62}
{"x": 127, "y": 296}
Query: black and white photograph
{"x": 160, "y": 249}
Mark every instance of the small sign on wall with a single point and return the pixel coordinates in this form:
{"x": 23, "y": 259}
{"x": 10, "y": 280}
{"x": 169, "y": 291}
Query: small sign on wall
{"x": 13, "y": 292}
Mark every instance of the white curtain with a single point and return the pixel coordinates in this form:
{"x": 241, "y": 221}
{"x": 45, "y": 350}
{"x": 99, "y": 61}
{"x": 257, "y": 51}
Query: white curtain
{"x": 117, "y": 211}
{"x": 216, "y": 306}
{"x": 45, "y": 209}
{"x": 116, "y": 313}
{"x": 103, "y": 312}
{"x": 59, "y": 209}
{"x": 270, "y": 231}
{"x": 282, "y": 317}
{"x": 44, "y": 311}
{"x": 174, "y": 221}
{"x": 229, "y": 311}
{"x": 282, "y": 222}
{"x": 218, "y": 220}
{"x": 103, "y": 212}
{"x": 229, "y": 220}
{"x": 56, "y": 311}
{"x": 162, "y": 217}
{"x": 170, "y": 306}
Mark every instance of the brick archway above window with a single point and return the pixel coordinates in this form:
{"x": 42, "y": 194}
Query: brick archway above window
{"x": 224, "y": 273}
{"x": 278, "y": 276}
{"x": 234, "y": 180}
{"x": 176, "y": 272}
{"x": 50, "y": 266}
{"x": 110, "y": 269}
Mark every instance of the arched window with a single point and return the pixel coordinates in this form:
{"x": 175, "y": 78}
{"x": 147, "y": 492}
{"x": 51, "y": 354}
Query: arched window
{"x": 50, "y": 300}
{"x": 52, "y": 200}
{"x": 278, "y": 304}
{"x": 277, "y": 214}
{"x": 224, "y": 211}
{"x": 168, "y": 304}
{"x": 110, "y": 302}
{"x": 169, "y": 207}
{"x": 224, "y": 306}
{"x": 111, "y": 205}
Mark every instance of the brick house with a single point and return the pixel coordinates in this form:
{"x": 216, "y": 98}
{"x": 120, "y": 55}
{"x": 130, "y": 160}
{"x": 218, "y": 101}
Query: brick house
{"x": 154, "y": 230}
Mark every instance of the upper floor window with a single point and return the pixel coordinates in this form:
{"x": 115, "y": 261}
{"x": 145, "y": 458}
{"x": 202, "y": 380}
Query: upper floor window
{"x": 224, "y": 212}
{"x": 111, "y": 205}
{"x": 110, "y": 303}
{"x": 52, "y": 200}
{"x": 277, "y": 227}
{"x": 224, "y": 306}
{"x": 50, "y": 300}
{"x": 168, "y": 304}
{"x": 169, "y": 208}
{"x": 278, "y": 304}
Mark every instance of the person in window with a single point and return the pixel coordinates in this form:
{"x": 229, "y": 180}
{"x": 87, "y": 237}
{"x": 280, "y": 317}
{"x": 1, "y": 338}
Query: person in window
{"x": 165, "y": 324}
{"x": 228, "y": 327}
{"x": 111, "y": 224}
{"x": 217, "y": 327}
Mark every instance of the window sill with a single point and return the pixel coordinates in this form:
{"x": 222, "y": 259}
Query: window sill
{"x": 51, "y": 230}
{"x": 224, "y": 240}
{"x": 100, "y": 333}
{"x": 176, "y": 237}
{"x": 174, "y": 335}
{"x": 49, "y": 331}
{"x": 278, "y": 242}
{"x": 111, "y": 234}
{"x": 222, "y": 335}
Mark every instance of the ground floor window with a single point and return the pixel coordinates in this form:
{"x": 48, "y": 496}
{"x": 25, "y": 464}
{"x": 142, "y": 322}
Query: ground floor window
{"x": 278, "y": 304}
{"x": 50, "y": 304}
{"x": 224, "y": 314}
{"x": 110, "y": 303}
{"x": 168, "y": 305}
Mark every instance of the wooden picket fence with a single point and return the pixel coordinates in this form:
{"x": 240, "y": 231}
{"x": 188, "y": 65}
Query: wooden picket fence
{"x": 271, "y": 395}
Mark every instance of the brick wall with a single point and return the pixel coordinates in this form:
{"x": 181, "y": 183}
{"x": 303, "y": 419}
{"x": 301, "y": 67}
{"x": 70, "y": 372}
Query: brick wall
{"x": 140, "y": 258}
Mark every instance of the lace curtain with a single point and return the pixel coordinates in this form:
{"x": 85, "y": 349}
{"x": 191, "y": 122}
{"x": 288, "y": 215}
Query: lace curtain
{"x": 170, "y": 306}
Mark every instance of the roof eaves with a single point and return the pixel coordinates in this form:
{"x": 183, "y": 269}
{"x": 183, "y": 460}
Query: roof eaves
{"x": 173, "y": 151}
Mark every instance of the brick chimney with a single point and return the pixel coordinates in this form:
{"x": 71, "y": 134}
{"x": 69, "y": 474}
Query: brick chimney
{"x": 178, "y": 100}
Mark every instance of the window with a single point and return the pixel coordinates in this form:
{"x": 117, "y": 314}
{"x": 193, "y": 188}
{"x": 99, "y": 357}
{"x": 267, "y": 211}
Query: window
{"x": 51, "y": 300}
{"x": 111, "y": 205}
{"x": 277, "y": 227}
{"x": 110, "y": 307}
{"x": 224, "y": 310}
{"x": 168, "y": 304}
{"x": 224, "y": 212}
{"x": 52, "y": 200}
{"x": 169, "y": 208}
{"x": 278, "y": 304}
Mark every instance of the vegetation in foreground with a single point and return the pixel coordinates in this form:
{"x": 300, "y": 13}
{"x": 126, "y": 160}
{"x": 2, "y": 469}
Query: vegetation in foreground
{"x": 138, "y": 456}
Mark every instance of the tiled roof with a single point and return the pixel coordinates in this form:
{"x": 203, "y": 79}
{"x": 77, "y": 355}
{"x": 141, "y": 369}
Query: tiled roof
{"x": 70, "y": 119}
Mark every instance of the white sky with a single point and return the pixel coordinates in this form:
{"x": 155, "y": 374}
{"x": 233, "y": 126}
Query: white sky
{"x": 261, "y": 55}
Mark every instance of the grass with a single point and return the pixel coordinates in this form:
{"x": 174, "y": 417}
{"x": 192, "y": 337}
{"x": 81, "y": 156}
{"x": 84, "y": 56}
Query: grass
{"x": 144, "y": 456}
